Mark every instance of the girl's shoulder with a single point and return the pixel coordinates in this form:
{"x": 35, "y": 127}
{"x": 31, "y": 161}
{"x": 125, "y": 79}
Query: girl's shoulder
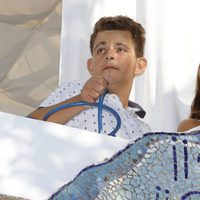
{"x": 188, "y": 124}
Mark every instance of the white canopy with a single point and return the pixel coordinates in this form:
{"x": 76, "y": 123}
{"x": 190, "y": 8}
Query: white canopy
{"x": 29, "y": 52}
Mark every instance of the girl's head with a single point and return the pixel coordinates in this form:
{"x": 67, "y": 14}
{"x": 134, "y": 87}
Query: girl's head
{"x": 195, "y": 107}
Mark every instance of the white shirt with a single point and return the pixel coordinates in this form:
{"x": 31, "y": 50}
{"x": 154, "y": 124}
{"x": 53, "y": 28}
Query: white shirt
{"x": 131, "y": 126}
{"x": 196, "y": 128}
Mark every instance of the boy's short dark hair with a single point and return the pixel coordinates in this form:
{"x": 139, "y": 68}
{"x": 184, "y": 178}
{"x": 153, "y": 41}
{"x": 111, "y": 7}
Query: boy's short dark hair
{"x": 121, "y": 23}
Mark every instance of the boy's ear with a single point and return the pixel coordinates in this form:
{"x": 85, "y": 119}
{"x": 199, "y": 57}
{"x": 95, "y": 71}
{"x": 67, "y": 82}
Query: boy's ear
{"x": 141, "y": 65}
{"x": 90, "y": 65}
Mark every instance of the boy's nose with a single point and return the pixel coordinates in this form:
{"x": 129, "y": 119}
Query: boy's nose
{"x": 110, "y": 55}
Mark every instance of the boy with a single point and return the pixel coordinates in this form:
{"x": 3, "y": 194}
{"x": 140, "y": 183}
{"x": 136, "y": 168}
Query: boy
{"x": 117, "y": 48}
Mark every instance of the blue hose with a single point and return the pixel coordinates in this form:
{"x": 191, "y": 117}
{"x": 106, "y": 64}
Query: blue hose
{"x": 100, "y": 106}
{"x": 100, "y": 110}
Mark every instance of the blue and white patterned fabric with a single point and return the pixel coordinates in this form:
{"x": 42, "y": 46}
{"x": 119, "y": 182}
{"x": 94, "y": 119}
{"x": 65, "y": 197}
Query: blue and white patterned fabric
{"x": 132, "y": 126}
{"x": 158, "y": 166}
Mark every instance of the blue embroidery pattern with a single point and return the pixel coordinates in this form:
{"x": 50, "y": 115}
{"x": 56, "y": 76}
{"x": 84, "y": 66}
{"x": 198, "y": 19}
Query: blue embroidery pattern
{"x": 159, "y": 166}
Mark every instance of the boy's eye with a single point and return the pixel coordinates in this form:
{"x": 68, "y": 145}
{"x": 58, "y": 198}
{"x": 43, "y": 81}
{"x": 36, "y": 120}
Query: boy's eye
{"x": 100, "y": 51}
{"x": 120, "y": 50}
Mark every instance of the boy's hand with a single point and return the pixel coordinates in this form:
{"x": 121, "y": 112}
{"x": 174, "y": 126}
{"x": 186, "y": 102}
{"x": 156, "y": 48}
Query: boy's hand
{"x": 93, "y": 88}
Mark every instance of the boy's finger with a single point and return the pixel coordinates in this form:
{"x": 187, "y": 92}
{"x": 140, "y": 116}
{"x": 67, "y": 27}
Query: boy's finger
{"x": 99, "y": 85}
{"x": 103, "y": 82}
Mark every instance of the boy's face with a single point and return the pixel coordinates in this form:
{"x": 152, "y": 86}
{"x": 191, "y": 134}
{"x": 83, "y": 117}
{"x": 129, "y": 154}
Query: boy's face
{"x": 114, "y": 57}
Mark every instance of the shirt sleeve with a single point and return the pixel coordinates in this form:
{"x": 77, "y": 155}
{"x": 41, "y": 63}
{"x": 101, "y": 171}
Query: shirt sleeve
{"x": 65, "y": 91}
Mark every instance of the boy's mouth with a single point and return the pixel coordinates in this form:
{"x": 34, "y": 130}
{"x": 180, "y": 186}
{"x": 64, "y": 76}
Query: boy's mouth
{"x": 110, "y": 67}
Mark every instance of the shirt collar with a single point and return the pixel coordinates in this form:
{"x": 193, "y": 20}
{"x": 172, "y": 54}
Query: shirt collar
{"x": 136, "y": 107}
{"x": 140, "y": 111}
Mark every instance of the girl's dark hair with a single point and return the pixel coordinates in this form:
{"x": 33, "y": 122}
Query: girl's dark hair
{"x": 121, "y": 23}
{"x": 195, "y": 107}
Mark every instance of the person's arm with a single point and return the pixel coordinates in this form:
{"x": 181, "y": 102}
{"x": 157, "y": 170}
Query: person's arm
{"x": 187, "y": 124}
{"x": 61, "y": 116}
{"x": 91, "y": 91}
